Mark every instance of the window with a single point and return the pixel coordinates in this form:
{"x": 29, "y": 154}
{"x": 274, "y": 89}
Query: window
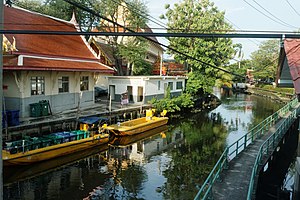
{"x": 170, "y": 85}
{"x": 37, "y": 85}
{"x": 84, "y": 83}
{"x": 178, "y": 85}
{"x": 63, "y": 84}
{"x": 158, "y": 85}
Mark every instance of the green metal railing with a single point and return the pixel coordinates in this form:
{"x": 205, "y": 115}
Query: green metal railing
{"x": 235, "y": 148}
{"x": 268, "y": 146}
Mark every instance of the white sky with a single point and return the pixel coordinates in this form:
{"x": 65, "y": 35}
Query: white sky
{"x": 245, "y": 17}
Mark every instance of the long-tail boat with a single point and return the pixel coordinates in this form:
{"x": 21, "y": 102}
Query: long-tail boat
{"x": 36, "y": 149}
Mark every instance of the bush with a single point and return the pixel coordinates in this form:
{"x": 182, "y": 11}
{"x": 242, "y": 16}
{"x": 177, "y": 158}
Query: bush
{"x": 174, "y": 104}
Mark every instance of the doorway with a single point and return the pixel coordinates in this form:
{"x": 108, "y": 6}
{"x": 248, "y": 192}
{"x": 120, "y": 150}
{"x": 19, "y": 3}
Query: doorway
{"x": 140, "y": 94}
{"x": 129, "y": 90}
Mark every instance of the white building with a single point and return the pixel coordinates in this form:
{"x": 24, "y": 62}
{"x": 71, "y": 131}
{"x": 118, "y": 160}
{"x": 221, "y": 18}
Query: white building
{"x": 143, "y": 88}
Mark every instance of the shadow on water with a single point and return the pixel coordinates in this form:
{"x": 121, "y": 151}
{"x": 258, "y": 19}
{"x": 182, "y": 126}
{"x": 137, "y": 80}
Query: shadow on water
{"x": 272, "y": 180}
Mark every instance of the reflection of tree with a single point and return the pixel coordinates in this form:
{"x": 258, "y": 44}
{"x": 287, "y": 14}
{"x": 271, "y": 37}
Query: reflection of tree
{"x": 127, "y": 176}
{"x": 263, "y": 108}
{"x": 133, "y": 178}
{"x": 192, "y": 161}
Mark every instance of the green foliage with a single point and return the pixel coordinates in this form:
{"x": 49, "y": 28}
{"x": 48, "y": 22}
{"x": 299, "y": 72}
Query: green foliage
{"x": 199, "y": 16}
{"x": 264, "y": 60}
{"x": 198, "y": 81}
{"x": 63, "y": 10}
{"x": 240, "y": 68}
{"x": 131, "y": 49}
{"x": 174, "y": 104}
{"x": 282, "y": 90}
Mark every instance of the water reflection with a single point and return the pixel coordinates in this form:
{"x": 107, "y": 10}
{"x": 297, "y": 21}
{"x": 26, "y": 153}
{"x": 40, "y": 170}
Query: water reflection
{"x": 169, "y": 163}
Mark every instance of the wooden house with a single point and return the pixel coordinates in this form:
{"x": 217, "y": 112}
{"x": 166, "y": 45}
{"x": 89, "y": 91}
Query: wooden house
{"x": 288, "y": 73}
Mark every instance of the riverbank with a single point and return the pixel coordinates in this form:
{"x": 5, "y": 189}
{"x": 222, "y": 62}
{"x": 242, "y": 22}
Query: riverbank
{"x": 271, "y": 94}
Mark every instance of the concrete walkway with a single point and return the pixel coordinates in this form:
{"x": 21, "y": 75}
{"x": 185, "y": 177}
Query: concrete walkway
{"x": 234, "y": 182}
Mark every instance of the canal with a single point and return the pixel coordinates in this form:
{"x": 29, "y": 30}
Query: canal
{"x": 170, "y": 162}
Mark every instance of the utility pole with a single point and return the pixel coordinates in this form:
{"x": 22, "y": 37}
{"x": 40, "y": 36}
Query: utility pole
{"x": 1, "y": 99}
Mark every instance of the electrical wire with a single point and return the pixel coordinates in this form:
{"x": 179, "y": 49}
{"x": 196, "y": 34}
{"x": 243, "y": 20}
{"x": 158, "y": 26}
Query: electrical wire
{"x": 265, "y": 14}
{"x": 145, "y": 15}
{"x": 253, "y": 41}
{"x": 273, "y": 15}
{"x": 293, "y": 7}
{"x": 156, "y": 42}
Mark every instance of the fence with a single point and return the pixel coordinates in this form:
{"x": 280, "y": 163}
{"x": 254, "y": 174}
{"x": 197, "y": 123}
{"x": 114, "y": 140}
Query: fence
{"x": 235, "y": 148}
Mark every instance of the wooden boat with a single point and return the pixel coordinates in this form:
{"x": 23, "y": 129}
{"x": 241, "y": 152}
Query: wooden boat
{"x": 28, "y": 151}
{"x": 136, "y": 126}
{"x": 124, "y": 141}
{"x": 11, "y": 174}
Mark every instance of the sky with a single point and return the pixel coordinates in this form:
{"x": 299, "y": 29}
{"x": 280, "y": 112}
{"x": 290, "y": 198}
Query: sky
{"x": 243, "y": 16}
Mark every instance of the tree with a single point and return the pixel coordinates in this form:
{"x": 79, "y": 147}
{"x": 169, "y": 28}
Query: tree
{"x": 200, "y": 16}
{"x": 63, "y": 10}
{"x": 131, "y": 49}
{"x": 264, "y": 60}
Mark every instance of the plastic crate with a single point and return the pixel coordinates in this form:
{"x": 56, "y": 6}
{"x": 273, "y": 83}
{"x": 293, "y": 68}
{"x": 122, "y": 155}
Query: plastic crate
{"x": 17, "y": 146}
{"x": 44, "y": 104}
{"x": 80, "y": 134}
{"x": 12, "y": 117}
{"x": 35, "y": 110}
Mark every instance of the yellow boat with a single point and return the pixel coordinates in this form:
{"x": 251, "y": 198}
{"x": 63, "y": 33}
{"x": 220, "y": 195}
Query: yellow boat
{"x": 49, "y": 152}
{"x": 15, "y": 173}
{"x": 136, "y": 126}
{"x": 128, "y": 140}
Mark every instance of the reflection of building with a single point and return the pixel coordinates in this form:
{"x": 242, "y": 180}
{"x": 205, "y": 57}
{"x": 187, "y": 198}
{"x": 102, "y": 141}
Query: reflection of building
{"x": 142, "y": 150}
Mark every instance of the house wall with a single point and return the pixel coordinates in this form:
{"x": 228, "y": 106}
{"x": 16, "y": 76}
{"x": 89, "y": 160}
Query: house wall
{"x": 150, "y": 86}
{"x": 152, "y": 52}
{"x": 285, "y": 77}
{"x": 18, "y": 95}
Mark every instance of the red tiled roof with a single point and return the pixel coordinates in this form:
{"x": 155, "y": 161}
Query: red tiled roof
{"x": 292, "y": 50}
{"x": 63, "y": 46}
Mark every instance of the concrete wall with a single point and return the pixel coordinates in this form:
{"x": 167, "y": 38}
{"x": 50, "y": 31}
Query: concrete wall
{"x": 18, "y": 93}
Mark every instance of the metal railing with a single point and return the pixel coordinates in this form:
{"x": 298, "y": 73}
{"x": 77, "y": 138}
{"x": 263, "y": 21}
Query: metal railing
{"x": 237, "y": 147}
{"x": 268, "y": 146}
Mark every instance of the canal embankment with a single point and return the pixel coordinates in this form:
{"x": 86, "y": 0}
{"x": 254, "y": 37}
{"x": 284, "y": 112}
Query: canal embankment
{"x": 274, "y": 95}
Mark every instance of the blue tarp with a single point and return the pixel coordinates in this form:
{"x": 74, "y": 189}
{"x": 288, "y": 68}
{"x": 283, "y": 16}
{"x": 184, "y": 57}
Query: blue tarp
{"x": 92, "y": 120}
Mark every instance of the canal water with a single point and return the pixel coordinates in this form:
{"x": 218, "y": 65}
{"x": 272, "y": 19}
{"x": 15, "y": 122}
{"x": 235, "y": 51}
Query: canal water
{"x": 170, "y": 162}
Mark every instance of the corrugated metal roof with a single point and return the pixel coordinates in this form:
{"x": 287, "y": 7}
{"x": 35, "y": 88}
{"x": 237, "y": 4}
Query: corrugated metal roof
{"x": 292, "y": 51}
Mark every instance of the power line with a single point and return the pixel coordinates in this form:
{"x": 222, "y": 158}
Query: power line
{"x": 131, "y": 31}
{"x": 293, "y": 7}
{"x": 170, "y": 29}
{"x": 264, "y": 14}
{"x": 273, "y": 15}
{"x": 145, "y": 15}
{"x": 146, "y": 35}
{"x": 253, "y": 41}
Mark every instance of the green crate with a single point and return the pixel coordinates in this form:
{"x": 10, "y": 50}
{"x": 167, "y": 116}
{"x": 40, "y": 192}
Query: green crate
{"x": 44, "y": 107}
{"x": 35, "y": 110}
